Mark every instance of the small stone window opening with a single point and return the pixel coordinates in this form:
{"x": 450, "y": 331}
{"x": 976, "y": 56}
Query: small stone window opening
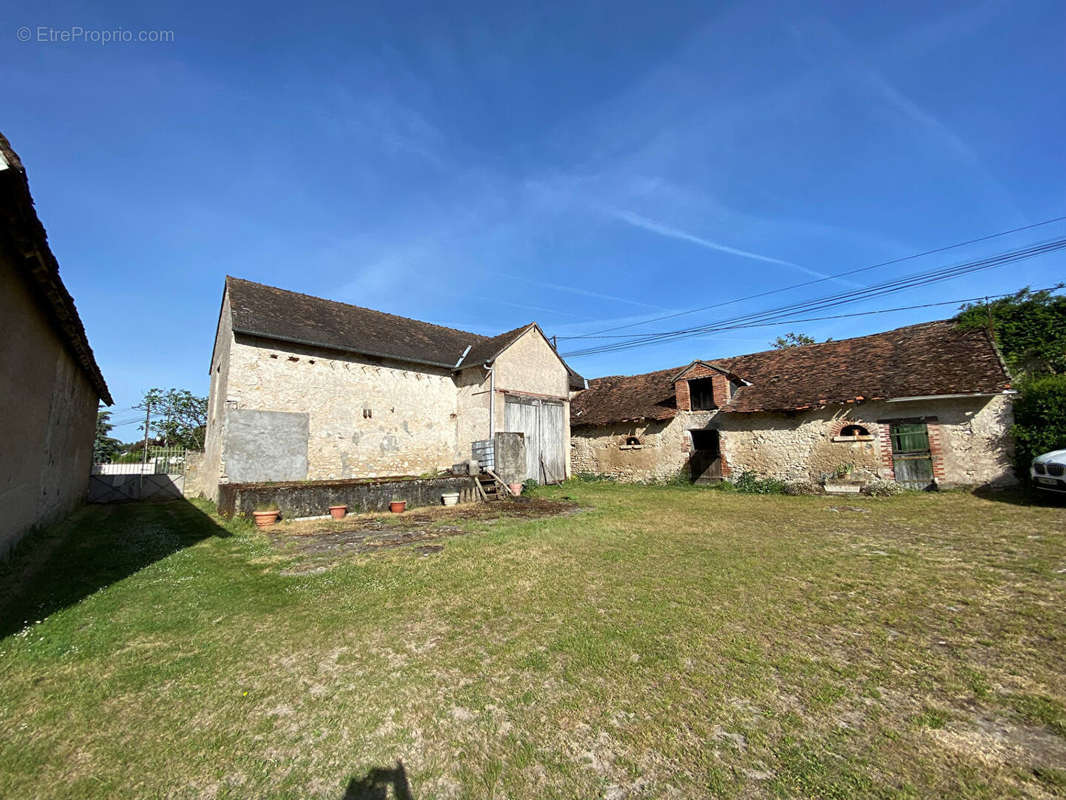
{"x": 368, "y": 413}
{"x": 853, "y": 433}
{"x": 631, "y": 443}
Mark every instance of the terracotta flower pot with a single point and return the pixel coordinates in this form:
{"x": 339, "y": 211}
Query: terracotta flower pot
{"x": 338, "y": 512}
{"x": 516, "y": 488}
{"x": 264, "y": 519}
{"x": 397, "y": 506}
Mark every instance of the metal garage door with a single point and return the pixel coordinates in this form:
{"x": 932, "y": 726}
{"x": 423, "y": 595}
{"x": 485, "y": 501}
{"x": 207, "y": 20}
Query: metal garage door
{"x": 542, "y": 423}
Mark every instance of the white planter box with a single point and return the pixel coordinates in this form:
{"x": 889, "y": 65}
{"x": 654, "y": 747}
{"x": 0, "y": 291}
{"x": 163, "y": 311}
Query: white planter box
{"x": 843, "y": 487}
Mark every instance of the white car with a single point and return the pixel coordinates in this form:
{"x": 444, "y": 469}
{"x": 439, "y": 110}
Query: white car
{"x": 1048, "y": 471}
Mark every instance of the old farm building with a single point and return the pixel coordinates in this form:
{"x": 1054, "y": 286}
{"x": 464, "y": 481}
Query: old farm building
{"x": 304, "y": 388}
{"x": 922, "y": 404}
{"x": 50, "y": 384}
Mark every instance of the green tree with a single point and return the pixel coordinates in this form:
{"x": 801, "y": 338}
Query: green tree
{"x": 791, "y": 339}
{"x": 179, "y": 417}
{"x": 104, "y": 445}
{"x": 1029, "y": 327}
{"x": 1030, "y": 330}
{"x": 1039, "y": 418}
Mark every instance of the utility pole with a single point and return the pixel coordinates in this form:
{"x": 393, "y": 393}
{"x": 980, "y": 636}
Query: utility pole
{"x": 991, "y": 324}
{"x": 144, "y": 455}
{"x": 555, "y": 345}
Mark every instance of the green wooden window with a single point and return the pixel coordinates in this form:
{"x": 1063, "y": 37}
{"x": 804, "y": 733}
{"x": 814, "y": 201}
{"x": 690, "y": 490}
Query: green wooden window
{"x": 910, "y": 437}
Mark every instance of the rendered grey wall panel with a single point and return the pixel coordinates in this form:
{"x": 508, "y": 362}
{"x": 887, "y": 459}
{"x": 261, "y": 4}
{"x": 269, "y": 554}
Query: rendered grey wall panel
{"x": 265, "y": 446}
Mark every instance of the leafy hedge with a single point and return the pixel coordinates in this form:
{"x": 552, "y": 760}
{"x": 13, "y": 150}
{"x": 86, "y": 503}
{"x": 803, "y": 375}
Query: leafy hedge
{"x": 1030, "y": 329}
{"x": 1039, "y": 418}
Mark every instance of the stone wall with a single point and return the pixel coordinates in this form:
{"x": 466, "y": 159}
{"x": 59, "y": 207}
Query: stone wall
{"x": 969, "y": 438}
{"x": 663, "y": 451}
{"x": 313, "y": 498}
{"x": 220, "y": 366}
{"x": 530, "y": 366}
{"x": 51, "y": 410}
{"x": 472, "y": 409}
{"x": 972, "y": 435}
{"x": 195, "y": 484}
{"x": 366, "y": 417}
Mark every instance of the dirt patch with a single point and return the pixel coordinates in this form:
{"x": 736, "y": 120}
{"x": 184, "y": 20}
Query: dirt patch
{"x": 316, "y": 541}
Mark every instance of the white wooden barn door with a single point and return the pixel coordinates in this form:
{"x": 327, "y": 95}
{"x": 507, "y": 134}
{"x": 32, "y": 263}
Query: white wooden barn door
{"x": 542, "y": 423}
{"x": 552, "y": 441}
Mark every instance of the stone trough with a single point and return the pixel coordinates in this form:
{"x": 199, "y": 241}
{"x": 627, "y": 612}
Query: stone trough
{"x": 296, "y": 499}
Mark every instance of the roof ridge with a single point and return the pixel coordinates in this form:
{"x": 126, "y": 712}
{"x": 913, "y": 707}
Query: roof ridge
{"x": 640, "y": 374}
{"x": 830, "y": 342}
{"x": 478, "y": 336}
{"x": 777, "y": 350}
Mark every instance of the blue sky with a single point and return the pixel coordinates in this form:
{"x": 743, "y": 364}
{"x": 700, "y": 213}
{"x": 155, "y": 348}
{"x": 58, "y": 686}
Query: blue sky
{"x": 481, "y": 165}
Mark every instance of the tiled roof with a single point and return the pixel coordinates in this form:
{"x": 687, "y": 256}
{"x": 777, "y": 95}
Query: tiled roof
{"x": 624, "y": 398}
{"x": 271, "y": 313}
{"x": 935, "y": 358}
{"x": 23, "y": 233}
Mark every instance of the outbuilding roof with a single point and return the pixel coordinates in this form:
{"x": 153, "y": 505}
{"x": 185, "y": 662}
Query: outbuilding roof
{"x": 931, "y": 359}
{"x": 23, "y": 235}
{"x": 272, "y": 313}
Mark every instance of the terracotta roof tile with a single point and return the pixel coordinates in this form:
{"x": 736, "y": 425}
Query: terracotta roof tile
{"x": 622, "y": 398}
{"x": 935, "y": 358}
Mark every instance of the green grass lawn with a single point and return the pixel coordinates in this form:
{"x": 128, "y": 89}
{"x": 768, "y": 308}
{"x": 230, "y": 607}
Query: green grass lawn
{"x": 660, "y": 642}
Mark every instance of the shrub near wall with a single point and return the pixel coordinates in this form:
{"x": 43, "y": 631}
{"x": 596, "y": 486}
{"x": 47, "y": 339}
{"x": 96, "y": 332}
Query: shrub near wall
{"x": 1039, "y": 418}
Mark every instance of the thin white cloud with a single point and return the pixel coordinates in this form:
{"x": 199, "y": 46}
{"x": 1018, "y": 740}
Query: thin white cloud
{"x": 584, "y": 292}
{"x": 653, "y": 226}
{"x": 524, "y": 306}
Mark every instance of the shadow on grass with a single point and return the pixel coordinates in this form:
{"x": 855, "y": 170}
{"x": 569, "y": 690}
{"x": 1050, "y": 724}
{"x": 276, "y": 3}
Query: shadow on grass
{"x": 1021, "y": 496}
{"x": 94, "y": 547}
{"x": 375, "y": 785}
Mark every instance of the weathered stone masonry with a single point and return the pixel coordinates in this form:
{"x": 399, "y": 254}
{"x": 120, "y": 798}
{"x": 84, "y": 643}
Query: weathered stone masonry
{"x": 804, "y": 413}
{"x": 286, "y": 411}
{"x": 968, "y": 437}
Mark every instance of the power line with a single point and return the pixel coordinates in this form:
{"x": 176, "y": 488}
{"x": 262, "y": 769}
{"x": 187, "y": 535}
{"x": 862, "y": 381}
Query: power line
{"x": 887, "y": 287}
{"x": 844, "y": 274}
{"x": 983, "y": 297}
{"x": 780, "y": 313}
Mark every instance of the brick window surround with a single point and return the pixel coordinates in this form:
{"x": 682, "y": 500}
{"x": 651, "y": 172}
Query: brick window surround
{"x": 936, "y": 448}
{"x": 719, "y": 387}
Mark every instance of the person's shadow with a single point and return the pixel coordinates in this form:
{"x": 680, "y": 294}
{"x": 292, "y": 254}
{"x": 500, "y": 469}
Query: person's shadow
{"x": 375, "y": 785}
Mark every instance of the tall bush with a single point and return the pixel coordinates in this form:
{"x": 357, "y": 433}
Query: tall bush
{"x": 1039, "y": 418}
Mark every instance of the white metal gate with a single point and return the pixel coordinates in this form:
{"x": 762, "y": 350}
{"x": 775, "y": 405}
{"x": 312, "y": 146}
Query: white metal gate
{"x": 160, "y": 478}
{"x": 541, "y": 421}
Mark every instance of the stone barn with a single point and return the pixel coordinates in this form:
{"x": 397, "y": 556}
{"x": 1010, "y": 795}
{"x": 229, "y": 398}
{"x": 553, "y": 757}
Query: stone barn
{"x": 304, "y": 388}
{"x": 922, "y": 405}
{"x": 50, "y": 384}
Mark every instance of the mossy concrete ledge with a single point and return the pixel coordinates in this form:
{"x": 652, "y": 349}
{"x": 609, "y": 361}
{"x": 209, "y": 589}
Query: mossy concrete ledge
{"x": 313, "y": 498}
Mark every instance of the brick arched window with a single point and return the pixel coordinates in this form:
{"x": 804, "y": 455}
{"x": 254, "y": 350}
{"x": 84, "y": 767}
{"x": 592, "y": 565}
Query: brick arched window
{"x": 853, "y": 432}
